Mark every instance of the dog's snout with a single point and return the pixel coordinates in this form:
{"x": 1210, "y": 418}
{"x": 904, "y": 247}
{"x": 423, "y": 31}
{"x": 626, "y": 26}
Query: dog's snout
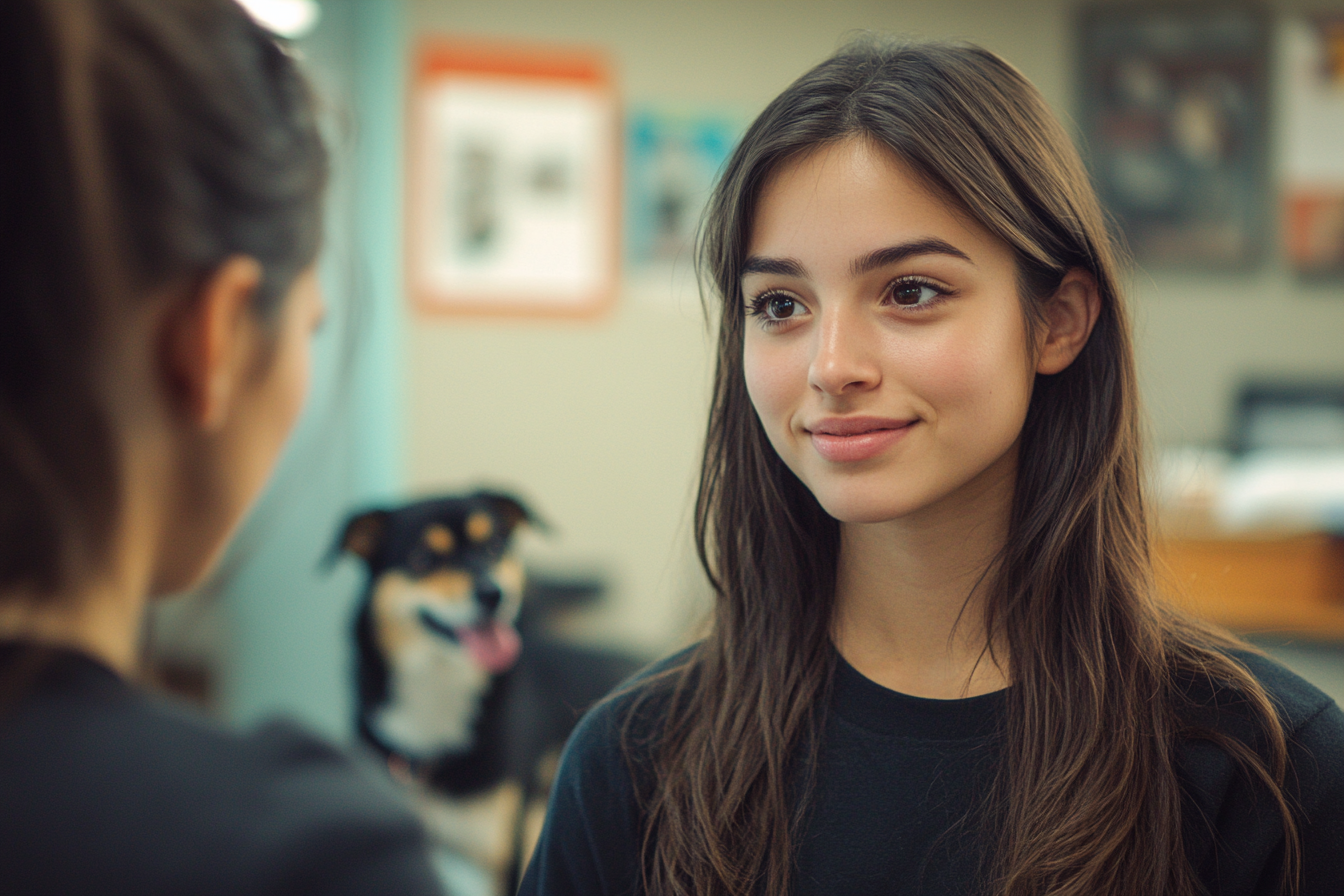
{"x": 489, "y": 596}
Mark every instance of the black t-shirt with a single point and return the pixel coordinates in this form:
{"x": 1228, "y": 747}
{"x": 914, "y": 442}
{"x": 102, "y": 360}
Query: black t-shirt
{"x": 106, "y": 789}
{"x": 900, "y": 780}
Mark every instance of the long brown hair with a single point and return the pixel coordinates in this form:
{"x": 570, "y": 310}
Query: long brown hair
{"x": 1087, "y": 800}
{"x": 145, "y": 142}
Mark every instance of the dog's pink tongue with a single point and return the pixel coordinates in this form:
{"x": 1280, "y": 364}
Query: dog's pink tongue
{"x": 494, "y": 645}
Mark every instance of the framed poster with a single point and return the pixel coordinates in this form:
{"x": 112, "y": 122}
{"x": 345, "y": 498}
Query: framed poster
{"x": 1312, "y": 55}
{"x": 1174, "y": 117}
{"x": 672, "y": 158}
{"x": 512, "y": 181}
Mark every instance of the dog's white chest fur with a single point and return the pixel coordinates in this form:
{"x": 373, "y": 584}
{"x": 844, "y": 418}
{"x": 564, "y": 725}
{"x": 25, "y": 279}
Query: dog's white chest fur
{"x": 435, "y": 697}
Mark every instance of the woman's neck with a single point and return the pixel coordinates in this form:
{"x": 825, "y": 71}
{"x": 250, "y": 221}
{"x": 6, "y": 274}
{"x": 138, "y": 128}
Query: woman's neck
{"x": 103, "y": 613}
{"x": 910, "y": 594}
{"x": 102, "y": 621}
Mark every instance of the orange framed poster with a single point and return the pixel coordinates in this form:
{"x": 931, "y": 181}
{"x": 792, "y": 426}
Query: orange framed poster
{"x": 512, "y": 181}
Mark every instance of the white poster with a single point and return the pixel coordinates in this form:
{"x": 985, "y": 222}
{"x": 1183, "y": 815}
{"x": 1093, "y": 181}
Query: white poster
{"x": 1312, "y": 148}
{"x": 513, "y": 194}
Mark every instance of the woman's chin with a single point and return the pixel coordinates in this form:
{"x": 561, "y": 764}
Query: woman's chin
{"x": 867, "y": 508}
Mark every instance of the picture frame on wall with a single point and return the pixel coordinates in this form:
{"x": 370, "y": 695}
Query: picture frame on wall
{"x": 512, "y": 181}
{"x": 1311, "y": 52}
{"x": 673, "y": 158}
{"x": 1174, "y": 119}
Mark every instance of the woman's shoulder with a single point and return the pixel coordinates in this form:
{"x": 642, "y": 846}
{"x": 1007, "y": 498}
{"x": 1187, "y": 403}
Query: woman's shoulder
{"x": 324, "y": 821}
{"x": 628, "y": 720}
{"x": 590, "y": 843}
{"x": 1219, "y": 712}
{"x": 301, "y": 812}
{"x": 1303, "y": 709}
{"x": 1238, "y": 838}
{"x": 106, "y": 786}
{"x": 110, "y": 734}
{"x": 611, "y": 750}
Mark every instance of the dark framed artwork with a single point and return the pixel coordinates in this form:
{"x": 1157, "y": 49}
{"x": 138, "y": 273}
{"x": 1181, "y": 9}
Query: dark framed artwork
{"x": 1174, "y": 115}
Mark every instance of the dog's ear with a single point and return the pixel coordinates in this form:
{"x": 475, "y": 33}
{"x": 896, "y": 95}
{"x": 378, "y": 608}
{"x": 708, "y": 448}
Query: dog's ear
{"x": 363, "y": 535}
{"x": 513, "y": 511}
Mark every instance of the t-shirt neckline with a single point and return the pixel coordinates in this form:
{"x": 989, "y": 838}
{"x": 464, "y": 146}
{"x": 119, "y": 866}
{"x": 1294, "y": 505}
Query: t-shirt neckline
{"x": 863, "y": 702}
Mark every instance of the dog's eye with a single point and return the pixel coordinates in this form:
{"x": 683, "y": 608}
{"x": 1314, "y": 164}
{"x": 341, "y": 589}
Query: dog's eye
{"x": 480, "y": 526}
{"x": 439, "y": 539}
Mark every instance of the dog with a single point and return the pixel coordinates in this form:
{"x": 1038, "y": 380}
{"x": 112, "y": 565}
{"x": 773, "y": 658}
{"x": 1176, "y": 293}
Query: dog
{"x": 461, "y": 685}
{"x": 435, "y": 635}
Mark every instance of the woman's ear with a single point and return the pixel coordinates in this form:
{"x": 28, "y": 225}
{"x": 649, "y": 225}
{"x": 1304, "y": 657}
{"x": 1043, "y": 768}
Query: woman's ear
{"x": 210, "y": 341}
{"x": 1069, "y": 316}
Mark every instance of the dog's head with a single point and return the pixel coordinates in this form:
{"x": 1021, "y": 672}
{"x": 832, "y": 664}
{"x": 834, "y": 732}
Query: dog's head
{"x": 442, "y": 569}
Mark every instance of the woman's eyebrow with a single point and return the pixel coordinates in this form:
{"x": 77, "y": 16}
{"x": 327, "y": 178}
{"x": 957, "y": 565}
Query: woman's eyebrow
{"x": 879, "y": 258}
{"x": 788, "y": 267}
{"x": 780, "y": 267}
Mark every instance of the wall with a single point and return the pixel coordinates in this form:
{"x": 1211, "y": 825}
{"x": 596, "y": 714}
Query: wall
{"x": 601, "y": 422}
{"x": 1199, "y": 335}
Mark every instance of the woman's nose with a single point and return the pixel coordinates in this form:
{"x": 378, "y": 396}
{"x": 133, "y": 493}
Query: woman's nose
{"x": 844, "y": 358}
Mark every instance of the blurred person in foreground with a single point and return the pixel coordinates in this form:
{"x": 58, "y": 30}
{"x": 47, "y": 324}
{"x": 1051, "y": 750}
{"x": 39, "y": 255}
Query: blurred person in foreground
{"x": 161, "y": 176}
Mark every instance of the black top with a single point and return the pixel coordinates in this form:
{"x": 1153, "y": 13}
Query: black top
{"x": 106, "y": 789}
{"x": 899, "y": 780}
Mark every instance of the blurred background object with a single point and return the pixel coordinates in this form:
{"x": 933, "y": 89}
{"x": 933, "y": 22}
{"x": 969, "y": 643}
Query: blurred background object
{"x": 1251, "y": 531}
{"x": 1312, "y": 51}
{"x": 512, "y": 181}
{"x": 671, "y": 160}
{"x": 599, "y": 419}
{"x": 1174, "y": 111}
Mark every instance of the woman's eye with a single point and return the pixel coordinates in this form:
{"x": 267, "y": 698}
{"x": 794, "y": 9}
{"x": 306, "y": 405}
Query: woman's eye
{"x": 914, "y": 293}
{"x": 780, "y": 307}
{"x": 776, "y": 307}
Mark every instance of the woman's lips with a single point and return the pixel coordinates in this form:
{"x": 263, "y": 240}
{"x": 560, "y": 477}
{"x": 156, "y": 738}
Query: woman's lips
{"x": 846, "y": 440}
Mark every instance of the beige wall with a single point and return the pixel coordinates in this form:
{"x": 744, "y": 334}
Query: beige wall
{"x": 600, "y": 423}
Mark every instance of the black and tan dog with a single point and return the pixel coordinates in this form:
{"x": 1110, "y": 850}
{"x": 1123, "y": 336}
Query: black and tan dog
{"x": 462, "y": 683}
{"x": 435, "y": 633}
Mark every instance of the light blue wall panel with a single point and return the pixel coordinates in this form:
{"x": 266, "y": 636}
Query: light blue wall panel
{"x": 287, "y": 617}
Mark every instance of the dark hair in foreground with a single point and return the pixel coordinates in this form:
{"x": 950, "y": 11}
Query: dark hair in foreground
{"x": 1087, "y": 800}
{"x": 145, "y": 142}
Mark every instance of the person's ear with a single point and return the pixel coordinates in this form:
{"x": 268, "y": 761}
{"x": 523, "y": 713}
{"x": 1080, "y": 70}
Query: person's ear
{"x": 1069, "y": 316}
{"x": 210, "y": 341}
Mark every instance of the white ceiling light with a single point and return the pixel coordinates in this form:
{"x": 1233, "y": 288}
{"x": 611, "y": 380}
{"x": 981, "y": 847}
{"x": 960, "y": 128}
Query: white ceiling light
{"x": 287, "y": 18}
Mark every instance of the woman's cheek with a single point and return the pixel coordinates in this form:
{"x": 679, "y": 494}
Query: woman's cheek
{"x": 765, "y": 377}
{"x": 973, "y": 383}
{"x": 947, "y": 372}
{"x": 987, "y": 383}
{"x": 301, "y": 380}
{"x": 776, "y": 385}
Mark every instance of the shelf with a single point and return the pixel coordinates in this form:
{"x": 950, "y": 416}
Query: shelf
{"x": 1284, "y": 585}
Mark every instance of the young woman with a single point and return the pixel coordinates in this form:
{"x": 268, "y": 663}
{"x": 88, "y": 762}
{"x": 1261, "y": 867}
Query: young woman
{"x": 937, "y": 663}
{"x": 161, "y": 176}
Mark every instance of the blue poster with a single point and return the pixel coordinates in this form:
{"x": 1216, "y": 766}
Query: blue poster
{"x": 672, "y": 163}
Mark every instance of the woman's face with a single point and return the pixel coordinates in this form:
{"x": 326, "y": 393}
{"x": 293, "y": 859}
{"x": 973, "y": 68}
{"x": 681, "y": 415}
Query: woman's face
{"x": 885, "y": 352}
{"x": 281, "y": 385}
{"x": 228, "y": 470}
